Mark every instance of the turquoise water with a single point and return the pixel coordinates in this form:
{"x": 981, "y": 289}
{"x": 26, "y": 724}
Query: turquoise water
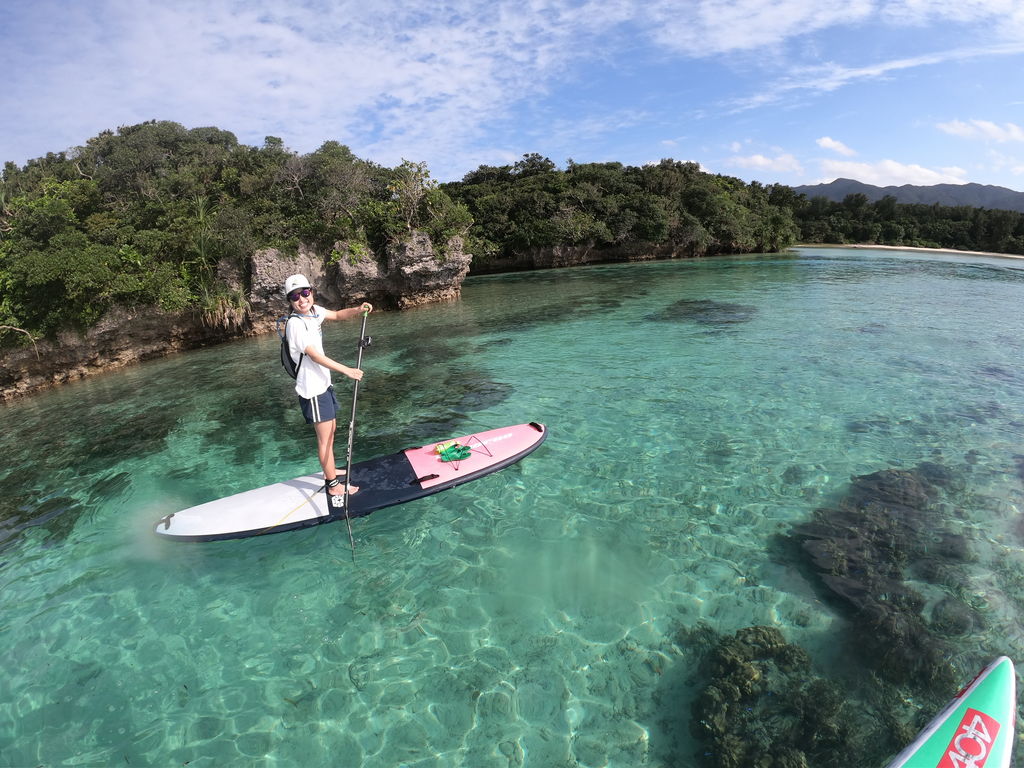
{"x": 538, "y": 617}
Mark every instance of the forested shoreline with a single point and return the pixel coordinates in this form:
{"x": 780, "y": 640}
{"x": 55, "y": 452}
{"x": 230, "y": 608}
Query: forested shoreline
{"x": 855, "y": 221}
{"x": 152, "y": 214}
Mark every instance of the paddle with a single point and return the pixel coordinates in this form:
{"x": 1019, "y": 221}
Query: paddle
{"x": 364, "y": 342}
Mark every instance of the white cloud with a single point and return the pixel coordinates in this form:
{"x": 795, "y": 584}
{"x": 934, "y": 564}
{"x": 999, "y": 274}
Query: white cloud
{"x": 984, "y": 129}
{"x": 826, "y": 142}
{"x": 891, "y": 173}
{"x": 783, "y": 163}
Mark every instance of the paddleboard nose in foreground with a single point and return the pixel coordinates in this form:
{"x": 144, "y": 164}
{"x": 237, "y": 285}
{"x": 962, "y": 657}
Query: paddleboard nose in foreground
{"x": 975, "y": 730}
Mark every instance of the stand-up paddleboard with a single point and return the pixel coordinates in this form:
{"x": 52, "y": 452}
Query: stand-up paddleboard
{"x": 382, "y": 482}
{"x": 975, "y": 730}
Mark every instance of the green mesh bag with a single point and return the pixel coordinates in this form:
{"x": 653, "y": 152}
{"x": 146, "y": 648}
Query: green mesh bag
{"x": 455, "y": 452}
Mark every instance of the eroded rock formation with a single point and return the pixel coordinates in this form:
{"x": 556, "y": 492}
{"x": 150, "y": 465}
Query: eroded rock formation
{"x": 412, "y": 275}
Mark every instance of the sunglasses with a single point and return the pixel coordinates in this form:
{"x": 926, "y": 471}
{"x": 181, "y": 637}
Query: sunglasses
{"x": 294, "y": 295}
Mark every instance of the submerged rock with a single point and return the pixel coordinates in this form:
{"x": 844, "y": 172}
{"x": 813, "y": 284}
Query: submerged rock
{"x": 861, "y": 553}
{"x": 762, "y": 705}
{"x": 794, "y": 474}
{"x": 954, "y": 617}
{"x": 705, "y": 312}
{"x": 889, "y": 487}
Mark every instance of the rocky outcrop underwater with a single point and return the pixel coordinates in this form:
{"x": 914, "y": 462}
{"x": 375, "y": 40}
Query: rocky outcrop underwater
{"x": 762, "y": 705}
{"x": 893, "y": 558}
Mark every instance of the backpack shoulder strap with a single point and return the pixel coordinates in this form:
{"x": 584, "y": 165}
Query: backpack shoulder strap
{"x": 281, "y": 324}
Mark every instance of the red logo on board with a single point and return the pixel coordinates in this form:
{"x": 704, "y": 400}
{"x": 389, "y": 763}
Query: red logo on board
{"x": 972, "y": 742}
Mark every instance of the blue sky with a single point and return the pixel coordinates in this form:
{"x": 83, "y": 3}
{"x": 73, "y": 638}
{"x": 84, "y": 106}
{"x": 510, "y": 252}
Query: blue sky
{"x": 791, "y": 91}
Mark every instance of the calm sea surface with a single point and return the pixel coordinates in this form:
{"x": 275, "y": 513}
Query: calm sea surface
{"x": 545, "y": 616}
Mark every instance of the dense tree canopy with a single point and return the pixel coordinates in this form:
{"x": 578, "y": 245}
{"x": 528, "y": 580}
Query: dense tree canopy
{"x": 533, "y": 204}
{"x": 145, "y": 215}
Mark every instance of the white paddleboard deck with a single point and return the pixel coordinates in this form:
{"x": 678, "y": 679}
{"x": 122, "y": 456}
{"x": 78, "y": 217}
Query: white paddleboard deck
{"x": 382, "y": 482}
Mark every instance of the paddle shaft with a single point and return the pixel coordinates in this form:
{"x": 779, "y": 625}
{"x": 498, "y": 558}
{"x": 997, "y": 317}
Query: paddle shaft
{"x": 352, "y": 433}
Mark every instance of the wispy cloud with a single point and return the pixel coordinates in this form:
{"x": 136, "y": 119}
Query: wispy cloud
{"x": 831, "y": 76}
{"x": 567, "y": 131}
{"x": 999, "y": 162}
{"x": 827, "y": 142}
{"x": 984, "y": 129}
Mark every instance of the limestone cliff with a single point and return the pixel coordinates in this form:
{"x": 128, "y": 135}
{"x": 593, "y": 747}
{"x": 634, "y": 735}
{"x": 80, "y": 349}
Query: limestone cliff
{"x": 411, "y": 275}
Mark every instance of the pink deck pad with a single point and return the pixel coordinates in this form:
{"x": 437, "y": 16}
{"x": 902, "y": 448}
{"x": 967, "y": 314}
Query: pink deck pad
{"x": 502, "y": 443}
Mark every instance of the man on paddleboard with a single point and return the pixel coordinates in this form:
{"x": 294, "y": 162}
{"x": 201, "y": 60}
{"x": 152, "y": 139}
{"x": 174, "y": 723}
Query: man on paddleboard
{"x": 313, "y": 380}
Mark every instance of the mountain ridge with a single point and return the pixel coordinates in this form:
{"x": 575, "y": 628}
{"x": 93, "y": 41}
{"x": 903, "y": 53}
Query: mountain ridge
{"x": 972, "y": 194}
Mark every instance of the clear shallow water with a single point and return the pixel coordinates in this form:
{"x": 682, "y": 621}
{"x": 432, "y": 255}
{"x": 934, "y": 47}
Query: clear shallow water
{"x": 539, "y": 617}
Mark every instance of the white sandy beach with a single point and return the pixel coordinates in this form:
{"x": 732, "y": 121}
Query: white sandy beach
{"x": 913, "y": 248}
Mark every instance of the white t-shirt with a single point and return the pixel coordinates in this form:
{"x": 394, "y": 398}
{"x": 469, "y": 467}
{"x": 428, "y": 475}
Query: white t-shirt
{"x": 304, "y": 331}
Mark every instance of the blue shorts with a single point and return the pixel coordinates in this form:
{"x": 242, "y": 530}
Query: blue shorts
{"x": 323, "y": 407}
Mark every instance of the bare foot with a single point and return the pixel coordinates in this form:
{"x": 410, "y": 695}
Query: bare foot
{"x": 339, "y": 490}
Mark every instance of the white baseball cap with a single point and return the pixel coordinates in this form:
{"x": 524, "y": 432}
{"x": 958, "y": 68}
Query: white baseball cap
{"x": 295, "y": 281}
